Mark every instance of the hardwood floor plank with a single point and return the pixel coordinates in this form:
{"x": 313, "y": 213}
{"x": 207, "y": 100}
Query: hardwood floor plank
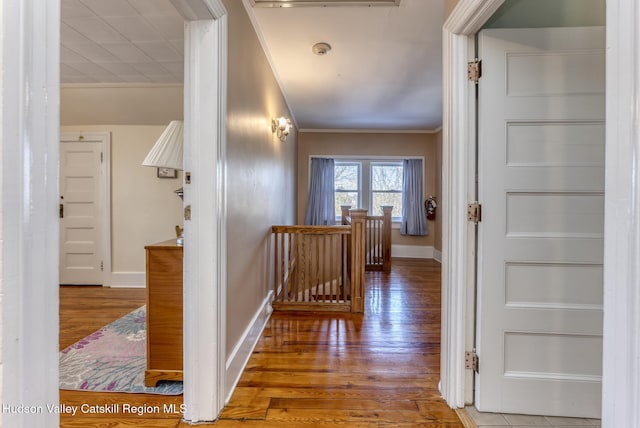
{"x": 342, "y": 404}
{"x": 82, "y": 422}
{"x": 378, "y": 369}
{"x": 325, "y": 415}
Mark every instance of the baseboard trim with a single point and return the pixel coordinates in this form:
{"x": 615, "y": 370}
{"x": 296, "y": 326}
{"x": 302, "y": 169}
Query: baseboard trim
{"x": 465, "y": 418}
{"x": 412, "y": 251}
{"x": 239, "y": 357}
{"x": 127, "y": 280}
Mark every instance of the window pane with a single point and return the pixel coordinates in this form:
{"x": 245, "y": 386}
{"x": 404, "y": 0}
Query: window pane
{"x": 345, "y": 198}
{"x": 386, "y": 177}
{"x": 393, "y": 199}
{"x": 346, "y": 177}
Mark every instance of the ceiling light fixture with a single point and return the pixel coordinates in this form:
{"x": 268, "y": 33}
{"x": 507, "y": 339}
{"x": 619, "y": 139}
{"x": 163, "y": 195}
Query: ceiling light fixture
{"x": 321, "y": 48}
{"x": 281, "y": 127}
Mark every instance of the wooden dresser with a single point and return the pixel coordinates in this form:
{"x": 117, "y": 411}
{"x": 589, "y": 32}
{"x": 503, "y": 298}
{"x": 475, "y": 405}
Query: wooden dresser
{"x": 164, "y": 312}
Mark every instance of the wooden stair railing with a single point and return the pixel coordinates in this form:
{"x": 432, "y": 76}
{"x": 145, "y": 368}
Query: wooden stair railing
{"x": 377, "y": 239}
{"x": 320, "y": 268}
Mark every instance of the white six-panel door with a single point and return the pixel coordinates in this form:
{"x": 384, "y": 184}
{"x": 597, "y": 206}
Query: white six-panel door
{"x": 541, "y": 185}
{"x": 82, "y": 211}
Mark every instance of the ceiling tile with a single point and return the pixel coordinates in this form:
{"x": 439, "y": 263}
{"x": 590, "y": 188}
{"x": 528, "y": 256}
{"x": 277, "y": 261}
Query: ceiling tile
{"x": 126, "y": 52}
{"x": 175, "y": 68}
{"x": 159, "y": 51}
{"x": 120, "y": 69}
{"x": 150, "y": 69}
{"x": 67, "y": 56}
{"x": 95, "y": 29}
{"x": 158, "y": 74}
{"x": 133, "y": 28}
{"x": 92, "y": 51}
{"x": 167, "y": 26}
{"x": 155, "y": 8}
{"x": 70, "y": 72}
{"x": 110, "y": 7}
{"x": 74, "y": 9}
{"x": 97, "y": 72}
{"x": 178, "y": 45}
{"x": 70, "y": 35}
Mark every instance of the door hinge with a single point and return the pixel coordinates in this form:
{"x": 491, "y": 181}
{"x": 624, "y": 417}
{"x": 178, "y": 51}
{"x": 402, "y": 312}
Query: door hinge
{"x": 474, "y": 212}
{"x": 474, "y": 70}
{"x": 471, "y": 361}
{"x": 101, "y": 266}
{"x": 187, "y": 212}
{"x": 101, "y": 157}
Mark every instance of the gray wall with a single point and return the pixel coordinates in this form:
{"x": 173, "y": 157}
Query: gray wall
{"x": 260, "y": 173}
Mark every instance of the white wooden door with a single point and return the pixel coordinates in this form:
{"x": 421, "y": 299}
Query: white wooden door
{"x": 82, "y": 175}
{"x": 541, "y": 185}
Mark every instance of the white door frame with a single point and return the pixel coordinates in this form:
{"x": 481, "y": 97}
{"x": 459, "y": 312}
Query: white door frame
{"x": 105, "y": 193}
{"x": 457, "y": 190}
{"x": 30, "y": 129}
{"x": 621, "y": 353}
{"x": 30, "y": 58}
{"x": 205, "y": 117}
{"x": 30, "y": 192}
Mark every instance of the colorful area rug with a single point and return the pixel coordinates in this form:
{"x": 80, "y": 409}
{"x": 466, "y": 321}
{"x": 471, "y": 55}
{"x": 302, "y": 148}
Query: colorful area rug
{"x": 113, "y": 359}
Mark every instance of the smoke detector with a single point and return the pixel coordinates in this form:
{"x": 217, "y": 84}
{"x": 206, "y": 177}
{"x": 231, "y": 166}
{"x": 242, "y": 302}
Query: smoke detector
{"x": 321, "y": 48}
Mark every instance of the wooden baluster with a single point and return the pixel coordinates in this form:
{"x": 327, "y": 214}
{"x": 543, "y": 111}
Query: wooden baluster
{"x": 274, "y": 234}
{"x": 307, "y": 297}
{"x": 323, "y": 266}
{"x": 298, "y": 267}
{"x": 368, "y": 243}
{"x": 358, "y": 220}
{"x": 344, "y": 267}
{"x": 386, "y": 238}
{"x": 316, "y": 280}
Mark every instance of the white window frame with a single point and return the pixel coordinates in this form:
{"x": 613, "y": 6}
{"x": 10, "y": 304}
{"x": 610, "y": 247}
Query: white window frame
{"x": 365, "y": 177}
{"x": 359, "y": 190}
{"x": 397, "y": 213}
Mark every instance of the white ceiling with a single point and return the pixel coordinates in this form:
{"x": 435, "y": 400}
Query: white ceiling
{"x": 383, "y": 72}
{"x": 123, "y": 41}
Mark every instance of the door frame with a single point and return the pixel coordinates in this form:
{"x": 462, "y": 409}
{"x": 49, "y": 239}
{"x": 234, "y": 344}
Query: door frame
{"x": 621, "y": 349}
{"x": 205, "y": 161}
{"x": 30, "y": 193}
{"x": 105, "y": 193}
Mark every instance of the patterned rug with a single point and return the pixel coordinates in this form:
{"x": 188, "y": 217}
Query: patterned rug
{"x": 113, "y": 359}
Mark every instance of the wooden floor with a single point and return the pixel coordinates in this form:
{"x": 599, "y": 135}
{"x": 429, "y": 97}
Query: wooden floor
{"x": 379, "y": 369}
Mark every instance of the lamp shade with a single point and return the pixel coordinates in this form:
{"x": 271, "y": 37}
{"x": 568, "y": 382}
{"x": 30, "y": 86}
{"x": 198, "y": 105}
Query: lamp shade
{"x": 167, "y": 151}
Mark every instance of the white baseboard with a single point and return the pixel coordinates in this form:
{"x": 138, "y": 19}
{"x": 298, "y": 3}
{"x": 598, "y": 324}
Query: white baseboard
{"x": 437, "y": 255}
{"x": 127, "y": 280}
{"x": 412, "y": 251}
{"x": 240, "y": 355}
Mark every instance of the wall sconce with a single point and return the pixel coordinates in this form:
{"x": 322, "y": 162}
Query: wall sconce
{"x": 281, "y": 127}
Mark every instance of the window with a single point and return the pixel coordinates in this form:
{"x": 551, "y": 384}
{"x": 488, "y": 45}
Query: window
{"x": 347, "y": 182}
{"x": 386, "y": 187}
{"x": 369, "y": 184}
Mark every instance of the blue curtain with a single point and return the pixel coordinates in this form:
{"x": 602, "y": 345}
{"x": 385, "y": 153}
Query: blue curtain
{"x": 321, "y": 203}
{"x": 414, "y": 221}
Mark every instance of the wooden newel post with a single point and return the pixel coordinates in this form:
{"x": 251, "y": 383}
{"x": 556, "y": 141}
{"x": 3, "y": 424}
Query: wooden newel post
{"x": 345, "y": 213}
{"x": 386, "y": 238}
{"x": 358, "y": 224}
